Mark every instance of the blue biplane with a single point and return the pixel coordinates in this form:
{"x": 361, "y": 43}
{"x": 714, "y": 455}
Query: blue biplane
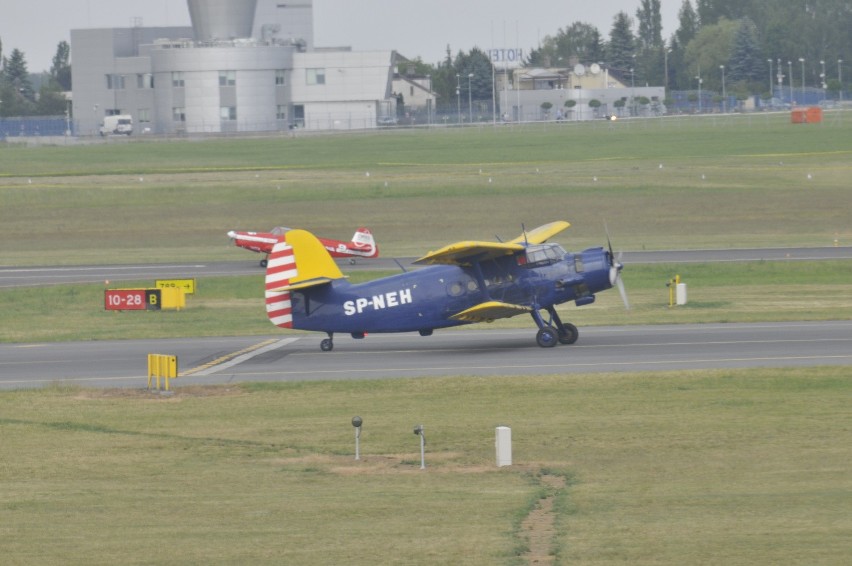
{"x": 465, "y": 282}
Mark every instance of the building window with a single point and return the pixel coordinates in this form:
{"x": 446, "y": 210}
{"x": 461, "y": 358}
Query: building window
{"x": 227, "y": 78}
{"x": 115, "y": 82}
{"x": 316, "y": 76}
{"x": 228, "y": 112}
{"x": 280, "y": 77}
{"x": 144, "y": 115}
{"x": 179, "y": 114}
{"x": 177, "y": 79}
{"x": 281, "y": 112}
{"x": 145, "y": 80}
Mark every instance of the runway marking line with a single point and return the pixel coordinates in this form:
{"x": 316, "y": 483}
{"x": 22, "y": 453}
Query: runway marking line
{"x": 237, "y": 357}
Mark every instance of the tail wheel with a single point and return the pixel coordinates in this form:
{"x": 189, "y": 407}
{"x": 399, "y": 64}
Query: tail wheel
{"x": 263, "y": 262}
{"x": 568, "y": 334}
{"x": 547, "y": 337}
{"x": 326, "y": 345}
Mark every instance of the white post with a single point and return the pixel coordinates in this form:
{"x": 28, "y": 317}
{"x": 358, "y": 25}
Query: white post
{"x": 504, "y": 446}
{"x": 680, "y": 294}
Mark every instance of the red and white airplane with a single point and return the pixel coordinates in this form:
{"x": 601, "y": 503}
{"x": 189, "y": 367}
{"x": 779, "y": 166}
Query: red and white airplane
{"x": 362, "y": 245}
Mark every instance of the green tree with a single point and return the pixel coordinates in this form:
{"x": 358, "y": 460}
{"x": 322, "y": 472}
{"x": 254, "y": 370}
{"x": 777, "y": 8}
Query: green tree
{"x": 621, "y": 49}
{"x": 710, "y": 12}
{"x": 649, "y": 34}
{"x": 710, "y": 48}
{"x": 60, "y": 71}
{"x": 580, "y": 40}
{"x": 17, "y": 89}
{"x": 687, "y": 28}
{"x": 51, "y": 101}
{"x": 746, "y": 62}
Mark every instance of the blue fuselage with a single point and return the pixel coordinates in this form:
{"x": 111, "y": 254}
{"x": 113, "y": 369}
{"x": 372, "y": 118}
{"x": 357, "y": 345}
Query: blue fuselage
{"x": 427, "y": 298}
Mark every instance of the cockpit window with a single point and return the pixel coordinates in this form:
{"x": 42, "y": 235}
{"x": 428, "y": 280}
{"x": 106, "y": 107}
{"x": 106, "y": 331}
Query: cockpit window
{"x": 543, "y": 254}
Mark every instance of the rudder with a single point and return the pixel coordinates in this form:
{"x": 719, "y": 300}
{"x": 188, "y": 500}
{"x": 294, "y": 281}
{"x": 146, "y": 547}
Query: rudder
{"x": 296, "y": 260}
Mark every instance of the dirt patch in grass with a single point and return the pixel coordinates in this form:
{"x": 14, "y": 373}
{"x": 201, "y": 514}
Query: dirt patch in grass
{"x": 539, "y": 527}
{"x": 177, "y": 394}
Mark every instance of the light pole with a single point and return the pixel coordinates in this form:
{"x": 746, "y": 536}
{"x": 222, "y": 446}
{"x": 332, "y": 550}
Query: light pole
{"x": 699, "y": 90}
{"x": 632, "y": 92}
{"x": 458, "y": 97}
{"x": 724, "y": 93}
{"x": 790, "y": 74}
{"x": 780, "y": 78}
{"x": 666, "y": 67}
{"x": 802, "y": 61}
{"x": 633, "y": 86}
{"x": 770, "y": 77}
{"x": 469, "y": 99}
{"x": 822, "y": 77}
{"x": 840, "y": 78}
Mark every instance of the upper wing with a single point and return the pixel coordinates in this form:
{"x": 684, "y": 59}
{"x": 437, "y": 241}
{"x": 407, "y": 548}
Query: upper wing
{"x": 542, "y": 233}
{"x": 465, "y": 252}
{"x": 490, "y": 310}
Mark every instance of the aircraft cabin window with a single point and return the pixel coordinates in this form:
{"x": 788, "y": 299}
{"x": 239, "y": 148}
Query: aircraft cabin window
{"x": 544, "y": 254}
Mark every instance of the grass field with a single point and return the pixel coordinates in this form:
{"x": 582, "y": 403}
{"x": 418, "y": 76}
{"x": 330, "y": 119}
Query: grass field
{"x": 715, "y": 467}
{"x": 739, "y": 181}
{"x": 741, "y": 467}
{"x": 229, "y": 306}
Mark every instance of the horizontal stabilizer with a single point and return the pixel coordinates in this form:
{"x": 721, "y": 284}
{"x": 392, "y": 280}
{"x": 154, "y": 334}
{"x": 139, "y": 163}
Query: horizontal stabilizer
{"x": 312, "y": 259}
{"x": 490, "y": 310}
{"x": 302, "y": 285}
{"x": 462, "y": 253}
{"x": 541, "y": 234}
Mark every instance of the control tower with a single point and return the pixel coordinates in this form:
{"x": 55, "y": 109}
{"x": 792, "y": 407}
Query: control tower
{"x": 222, "y": 19}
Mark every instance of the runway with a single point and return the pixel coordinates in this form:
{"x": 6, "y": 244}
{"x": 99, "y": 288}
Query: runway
{"x": 475, "y": 351}
{"x": 62, "y": 275}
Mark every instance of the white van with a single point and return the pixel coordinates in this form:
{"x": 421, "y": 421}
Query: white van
{"x": 118, "y": 124}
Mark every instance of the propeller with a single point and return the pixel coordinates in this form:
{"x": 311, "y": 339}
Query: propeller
{"x": 615, "y": 267}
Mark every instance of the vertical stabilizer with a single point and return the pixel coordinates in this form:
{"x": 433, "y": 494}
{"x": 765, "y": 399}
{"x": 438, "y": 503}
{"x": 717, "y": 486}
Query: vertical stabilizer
{"x": 298, "y": 261}
{"x": 280, "y": 269}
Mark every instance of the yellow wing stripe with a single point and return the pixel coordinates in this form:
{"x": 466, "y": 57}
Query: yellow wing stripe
{"x": 490, "y": 310}
{"x": 462, "y": 252}
{"x": 542, "y": 233}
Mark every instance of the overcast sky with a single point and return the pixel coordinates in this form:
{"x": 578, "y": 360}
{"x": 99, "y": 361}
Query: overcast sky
{"x": 413, "y": 28}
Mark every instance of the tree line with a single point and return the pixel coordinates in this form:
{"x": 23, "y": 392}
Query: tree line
{"x": 746, "y": 43}
{"x": 742, "y": 36}
{"x": 19, "y": 96}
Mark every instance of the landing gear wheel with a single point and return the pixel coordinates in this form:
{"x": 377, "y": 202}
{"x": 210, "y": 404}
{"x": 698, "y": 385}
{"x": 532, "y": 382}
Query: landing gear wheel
{"x": 569, "y": 334}
{"x": 326, "y": 345}
{"x": 263, "y": 263}
{"x": 547, "y": 337}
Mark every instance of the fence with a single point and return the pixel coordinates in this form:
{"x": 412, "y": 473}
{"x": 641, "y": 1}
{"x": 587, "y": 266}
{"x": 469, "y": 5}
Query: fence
{"x": 35, "y": 126}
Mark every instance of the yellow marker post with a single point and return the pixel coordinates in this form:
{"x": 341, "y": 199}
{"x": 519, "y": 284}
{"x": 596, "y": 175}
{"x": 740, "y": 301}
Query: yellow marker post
{"x": 672, "y": 285}
{"x": 162, "y": 366}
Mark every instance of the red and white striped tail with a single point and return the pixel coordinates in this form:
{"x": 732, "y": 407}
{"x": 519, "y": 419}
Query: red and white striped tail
{"x": 280, "y": 269}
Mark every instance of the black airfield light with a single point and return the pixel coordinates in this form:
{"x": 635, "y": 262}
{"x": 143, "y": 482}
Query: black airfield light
{"x": 357, "y": 422}
{"x": 418, "y": 430}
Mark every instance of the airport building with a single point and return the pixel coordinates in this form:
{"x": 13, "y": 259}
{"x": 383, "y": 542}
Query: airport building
{"x": 243, "y": 66}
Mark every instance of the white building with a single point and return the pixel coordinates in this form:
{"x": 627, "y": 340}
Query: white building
{"x": 244, "y": 65}
{"x": 590, "y": 91}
